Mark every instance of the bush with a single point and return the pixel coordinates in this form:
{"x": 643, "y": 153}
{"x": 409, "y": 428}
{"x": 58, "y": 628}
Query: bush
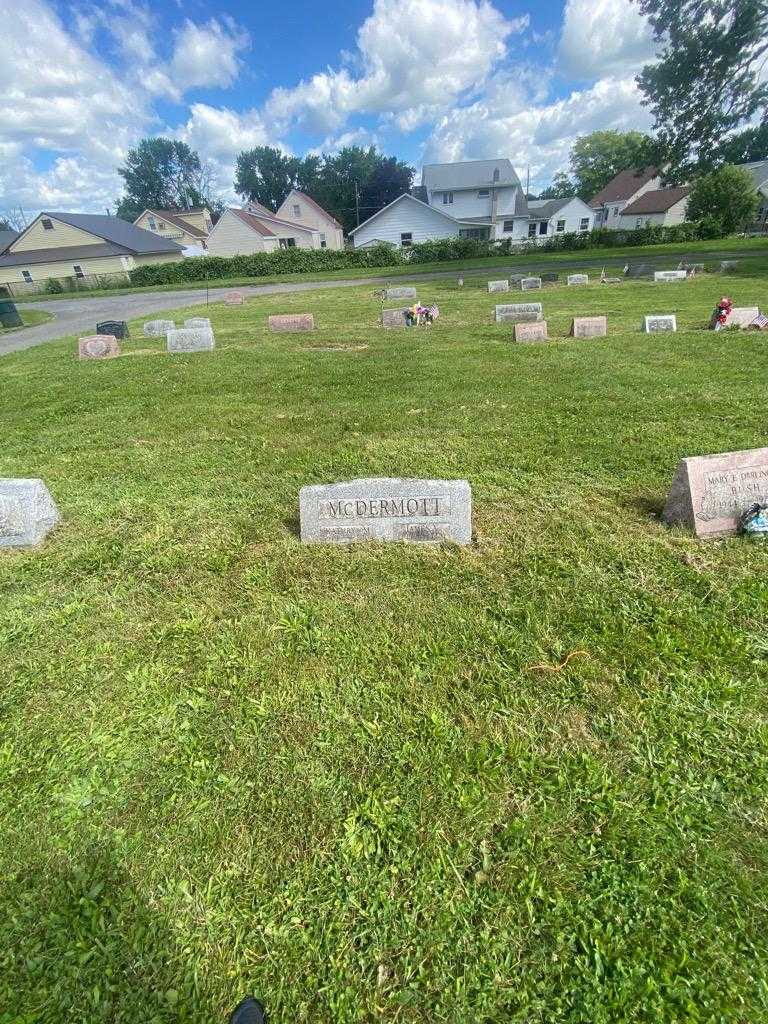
{"x": 53, "y": 286}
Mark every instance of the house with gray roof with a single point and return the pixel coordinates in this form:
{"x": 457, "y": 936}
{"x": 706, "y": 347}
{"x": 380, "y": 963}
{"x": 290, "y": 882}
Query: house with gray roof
{"x": 78, "y": 247}
{"x": 559, "y": 217}
{"x": 758, "y": 169}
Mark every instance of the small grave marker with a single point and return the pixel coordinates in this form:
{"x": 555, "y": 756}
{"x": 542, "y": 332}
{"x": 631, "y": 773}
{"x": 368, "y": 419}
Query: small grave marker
{"x": 400, "y": 292}
{"x": 658, "y": 324}
{"x": 670, "y": 275}
{"x": 117, "y": 328}
{"x": 728, "y": 266}
{"x": 387, "y": 509}
{"x": 638, "y": 270}
{"x": 98, "y": 346}
{"x": 292, "y": 323}
{"x": 709, "y": 493}
{"x": 498, "y": 286}
{"x": 519, "y": 313}
{"x": 743, "y": 316}
{"x": 27, "y": 512}
{"x": 393, "y": 318}
{"x": 234, "y": 299}
{"x": 536, "y": 331}
{"x": 530, "y": 284}
{"x": 190, "y": 339}
{"x": 550, "y": 277}
{"x": 574, "y": 279}
{"x": 198, "y": 321}
{"x": 155, "y": 328}
{"x": 589, "y": 326}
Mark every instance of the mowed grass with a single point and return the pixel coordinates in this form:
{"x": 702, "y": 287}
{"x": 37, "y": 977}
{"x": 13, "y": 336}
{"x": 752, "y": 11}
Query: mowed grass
{"x": 29, "y": 318}
{"x": 523, "y": 781}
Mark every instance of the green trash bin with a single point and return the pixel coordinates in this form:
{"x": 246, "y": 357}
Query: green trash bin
{"x": 9, "y": 315}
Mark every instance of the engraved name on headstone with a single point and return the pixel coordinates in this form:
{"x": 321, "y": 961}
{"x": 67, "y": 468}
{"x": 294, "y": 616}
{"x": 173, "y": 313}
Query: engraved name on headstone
{"x": 400, "y": 292}
{"x": 393, "y": 318}
{"x": 710, "y": 492}
{"x": 98, "y": 346}
{"x": 498, "y": 286}
{"x": 670, "y": 275}
{"x": 117, "y": 328}
{"x": 198, "y": 321}
{"x": 234, "y": 299}
{"x": 190, "y": 339}
{"x": 578, "y": 279}
{"x": 27, "y": 512}
{"x": 536, "y": 331}
{"x": 530, "y": 284}
{"x": 386, "y": 509}
{"x": 292, "y": 323}
{"x": 656, "y": 324}
{"x": 519, "y": 313}
{"x": 155, "y": 328}
{"x": 589, "y": 326}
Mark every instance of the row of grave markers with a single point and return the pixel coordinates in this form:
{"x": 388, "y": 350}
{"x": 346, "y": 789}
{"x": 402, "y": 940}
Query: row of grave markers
{"x": 709, "y": 495}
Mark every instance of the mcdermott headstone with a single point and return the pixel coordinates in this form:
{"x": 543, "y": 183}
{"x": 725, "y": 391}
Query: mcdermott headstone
{"x": 387, "y": 509}
{"x": 27, "y": 512}
{"x": 198, "y": 321}
{"x": 155, "y": 328}
{"x": 117, "y": 328}
{"x": 98, "y": 346}
{"x": 190, "y": 339}
{"x": 574, "y": 279}
{"x": 530, "y": 284}
{"x": 589, "y": 326}
{"x": 498, "y": 286}
{"x": 393, "y": 318}
{"x": 400, "y": 292}
{"x": 710, "y": 492}
{"x": 659, "y": 324}
{"x": 234, "y": 299}
{"x": 536, "y": 331}
{"x": 292, "y": 323}
{"x": 519, "y": 313}
{"x": 670, "y": 275}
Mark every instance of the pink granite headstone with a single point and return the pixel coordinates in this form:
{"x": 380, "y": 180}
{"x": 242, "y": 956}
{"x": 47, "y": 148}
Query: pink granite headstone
{"x": 234, "y": 299}
{"x": 589, "y": 326}
{"x": 98, "y": 346}
{"x": 709, "y": 493}
{"x": 292, "y": 322}
{"x": 531, "y": 332}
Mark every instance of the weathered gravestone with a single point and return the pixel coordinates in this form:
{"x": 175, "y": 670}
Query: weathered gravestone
{"x": 519, "y": 313}
{"x": 498, "y": 286}
{"x": 728, "y": 266}
{"x": 190, "y": 339}
{"x": 9, "y": 314}
{"x": 742, "y": 316}
{"x": 549, "y": 277}
{"x": 574, "y": 279}
{"x": 638, "y": 270}
{"x": 27, "y": 512}
{"x": 198, "y": 321}
{"x": 710, "y": 492}
{"x": 460, "y": 282}
{"x": 98, "y": 346}
{"x": 117, "y": 328}
{"x": 386, "y": 508}
{"x": 536, "y": 331}
{"x": 400, "y": 292}
{"x": 234, "y": 299}
{"x": 292, "y": 323}
{"x": 517, "y": 278}
{"x": 393, "y": 318}
{"x": 589, "y": 326}
{"x": 670, "y": 275}
{"x": 530, "y": 284}
{"x": 155, "y": 328}
{"x": 658, "y": 324}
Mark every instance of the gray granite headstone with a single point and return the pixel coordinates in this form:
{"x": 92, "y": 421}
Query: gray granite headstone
{"x": 400, "y": 292}
{"x": 710, "y": 492}
{"x": 728, "y": 266}
{"x": 190, "y": 339}
{"x": 292, "y": 323}
{"x": 658, "y": 324}
{"x": 670, "y": 275}
{"x": 393, "y": 318}
{"x": 198, "y": 321}
{"x": 638, "y": 270}
{"x": 530, "y": 284}
{"x": 519, "y": 313}
{"x": 27, "y": 513}
{"x": 386, "y": 509}
{"x": 589, "y": 326}
{"x": 550, "y": 277}
{"x": 113, "y": 328}
{"x": 98, "y": 346}
{"x": 155, "y": 328}
{"x": 498, "y": 286}
{"x": 536, "y": 331}
{"x": 578, "y": 279}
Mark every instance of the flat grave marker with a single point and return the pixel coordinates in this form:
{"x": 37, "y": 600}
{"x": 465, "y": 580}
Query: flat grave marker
{"x": 190, "y": 339}
{"x": 519, "y": 313}
{"x": 669, "y": 276}
{"x": 400, "y": 292}
{"x": 292, "y": 323}
{"x": 658, "y": 323}
{"x": 198, "y": 321}
{"x": 638, "y": 270}
{"x": 709, "y": 493}
{"x": 156, "y": 328}
{"x": 386, "y": 509}
{"x": 536, "y": 331}
{"x": 498, "y": 286}
{"x": 98, "y": 346}
{"x": 549, "y": 277}
{"x": 728, "y": 266}
{"x": 530, "y": 284}
{"x": 117, "y": 328}
{"x": 589, "y": 327}
{"x": 393, "y": 318}
{"x": 234, "y": 299}
{"x": 27, "y": 512}
{"x": 575, "y": 279}
{"x": 742, "y": 316}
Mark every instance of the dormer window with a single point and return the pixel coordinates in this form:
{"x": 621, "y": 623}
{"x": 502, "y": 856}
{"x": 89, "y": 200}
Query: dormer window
{"x": 47, "y": 224}
{"x": 152, "y": 224}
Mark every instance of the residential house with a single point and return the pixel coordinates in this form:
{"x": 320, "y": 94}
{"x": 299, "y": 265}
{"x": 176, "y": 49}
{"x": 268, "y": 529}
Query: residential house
{"x": 78, "y": 246}
{"x": 187, "y": 227}
{"x": 558, "y": 217}
{"x": 473, "y": 199}
{"x": 6, "y": 237}
{"x": 659, "y": 207}
{"x": 242, "y": 232}
{"x": 759, "y": 171}
{"x": 302, "y": 209}
{"x": 621, "y": 190}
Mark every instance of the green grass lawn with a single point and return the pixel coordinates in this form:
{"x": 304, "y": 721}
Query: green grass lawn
{"x": 30, "y": 318}
{"x": 363, "y": 782}
{"x": 750, "y": 247}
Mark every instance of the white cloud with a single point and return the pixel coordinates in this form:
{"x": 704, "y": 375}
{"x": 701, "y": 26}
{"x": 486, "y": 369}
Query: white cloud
{"x": 207, "y": 55}
{"x": 416, "y": 57}
{"x": 601, "y": 38}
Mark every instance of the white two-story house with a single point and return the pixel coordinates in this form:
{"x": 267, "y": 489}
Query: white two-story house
{"x": 473, "y": 199}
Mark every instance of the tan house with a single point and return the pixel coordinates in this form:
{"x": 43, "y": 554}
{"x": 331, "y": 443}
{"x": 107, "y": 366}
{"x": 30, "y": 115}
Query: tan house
{"x": 621, "y": 190}
{"x": 77, "y": 247}
{"x": 242, "y": 232}
{"x": 302, "y": 209}
{"x": 187, "y": 227}
{"x": 660, "y": 207}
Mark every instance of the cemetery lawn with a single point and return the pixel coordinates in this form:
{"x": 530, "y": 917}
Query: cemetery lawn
{"x": 523, "y": 781}
{"x": 30, "y": 318}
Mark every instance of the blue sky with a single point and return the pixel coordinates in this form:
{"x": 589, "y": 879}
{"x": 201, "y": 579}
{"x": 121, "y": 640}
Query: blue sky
{"x": 422, "y": 79}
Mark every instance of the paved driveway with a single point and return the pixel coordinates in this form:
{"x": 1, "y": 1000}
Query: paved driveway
{"x": 80, "y": 316}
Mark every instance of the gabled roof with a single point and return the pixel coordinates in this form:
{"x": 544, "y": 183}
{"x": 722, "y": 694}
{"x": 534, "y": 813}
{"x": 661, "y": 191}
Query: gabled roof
{"x": 6, "y": 237}
{"x": 177, "y": 217}
{"x": 317, "y": 206}
{"x": 658, "y": 200}
{"x": 413, "y": 199}
{"x": 61, "y": 254}
{"x": 254, "y": 206}
{"x": 543, "y": 209}
{"x": 468, "y": 174}
{"x": 252, "y": 222}
{"x": 268, "y": 218}
{"x": 624, "y": 185}
{"x": 759, "y": 171}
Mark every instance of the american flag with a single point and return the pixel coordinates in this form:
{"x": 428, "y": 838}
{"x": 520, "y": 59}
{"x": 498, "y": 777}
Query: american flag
{"x": 760, "y": 321}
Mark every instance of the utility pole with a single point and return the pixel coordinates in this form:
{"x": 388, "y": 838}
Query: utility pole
{"x": 528, "y": 181}
{"x": 357, "y": 206}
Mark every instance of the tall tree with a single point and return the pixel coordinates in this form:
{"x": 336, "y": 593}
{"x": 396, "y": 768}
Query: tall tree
{"x": 706, "y": 81}
{"x": 561, "y": 188}
{"x": 599, "y": 156}
{"x": 360, "y": 180}
{"x": 389, "y": 179}
{"x": 266, "y": 175}
{"x": 745, "y": 147}
{"x": 726, "y": 195}
{"x": 164, "y": 174}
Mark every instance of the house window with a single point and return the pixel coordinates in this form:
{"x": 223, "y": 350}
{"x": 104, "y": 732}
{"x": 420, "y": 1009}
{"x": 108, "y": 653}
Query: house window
{"x": 26, "y": 276}
{"x": 561, "y": 225}
{"x": 287, "y": 243}
{"x": 583, "y": 223}
{"x": 406, "y": 239}
{"x": 161, "y": 225}
{"x": 496, "y": 174}
{"x": 638, "y": 222}
{"x": 47, "y": 224}
{"x": 78, "y": 271}
{"x": 509, "y": 225}
{"x": 152, "y": 224}
{"x": 542, "y": 227}
{"x": 532, "y": 229}
{"x": 615, "y": 211}
{"x": 483, "y": 193}
{"x": 474, "y": 233}
{"x": 296, "y": 211}
{"x": 323, "y": 243}
{"x": 447, "y": 198}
